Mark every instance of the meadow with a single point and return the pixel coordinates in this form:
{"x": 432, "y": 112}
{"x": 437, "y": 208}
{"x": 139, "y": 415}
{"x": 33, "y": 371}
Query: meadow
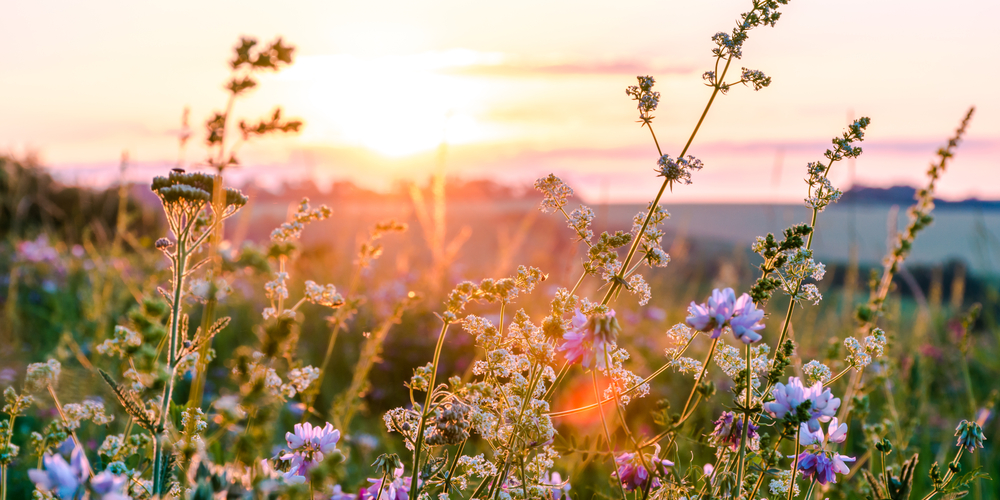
{"x": 188, "y": 338}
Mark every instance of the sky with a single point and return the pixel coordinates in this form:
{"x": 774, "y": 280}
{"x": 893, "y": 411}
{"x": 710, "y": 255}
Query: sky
{"x": 515, "y": 89}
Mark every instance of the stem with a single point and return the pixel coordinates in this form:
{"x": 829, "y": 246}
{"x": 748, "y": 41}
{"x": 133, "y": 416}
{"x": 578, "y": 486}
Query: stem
{"x": 809, "y": 492}
{"x": 684, "y": 414}
{"x": 746, "y": 429}
{"x": 414, "y": 487}
{"x": 760, "y": 479}
{"x": 795, "y": 468}
{"x": 948, "y": 476}
{"x": 607, "y": 434}
{"x": 656, "y": 201}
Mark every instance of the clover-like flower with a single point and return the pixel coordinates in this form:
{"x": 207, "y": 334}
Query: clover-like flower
{"x": 590, "y": 337}
{"x": 724, "y": 309}
{"x": 787, "y": 399}
{"x": 634, "y": 475}
{"x": 396, "y": 487}
{"x": 823, "y": 465}
{"x": 60, "y": 478}
{"x": 308, "y": 445}
{"x": 729, "y": 430}
{"x": 746, "y": 320}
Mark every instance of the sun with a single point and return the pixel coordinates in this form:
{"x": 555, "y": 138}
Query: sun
{"x": 393, "y": 105}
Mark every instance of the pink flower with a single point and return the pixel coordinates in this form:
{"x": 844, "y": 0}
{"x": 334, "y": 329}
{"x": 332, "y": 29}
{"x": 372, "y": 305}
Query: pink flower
{"x": 308, "y": 445}
{"x": 824, "y": 465}
{"x": 590, "y": 337}
{"x": 787, "y": 399}
{"x": 61, "y": 478}
{"x": 634, "y": 475}
{"x": 396, "y": 488}
{"x": 746, "y": 321}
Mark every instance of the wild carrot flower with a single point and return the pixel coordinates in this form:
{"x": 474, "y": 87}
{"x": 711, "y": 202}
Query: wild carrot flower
{"x": 729, "y": 430}
{"x": 634, "y": 475}
{"x": 589, "y": 338}
{"x": 308, "y": 445}
{"x": 787, "y": 398}
{"x": 970, "y": 435}
{"x": 60, "y": 478}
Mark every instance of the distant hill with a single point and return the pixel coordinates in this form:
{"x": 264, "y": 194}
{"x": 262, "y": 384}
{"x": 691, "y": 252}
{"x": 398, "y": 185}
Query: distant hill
{"x": 904, "y": 195}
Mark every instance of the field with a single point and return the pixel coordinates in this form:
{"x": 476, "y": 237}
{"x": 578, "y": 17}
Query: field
{"x": 188, "y": 337}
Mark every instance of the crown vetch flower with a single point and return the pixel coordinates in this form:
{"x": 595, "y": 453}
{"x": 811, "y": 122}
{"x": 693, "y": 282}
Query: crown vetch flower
{"x": 729, "y": 430}
{"x": 589, "y": 338}
{"x": 787, "y": 399}
{"x": 61, "y": 478}
{"x": 824, "y": 465}
{"x": 746, "y": 320}
{"x": 970, "y": 435}
{"x": 396, "y": 488}
{"x": 308, "y": 445}
{"x": 634, "y": 475}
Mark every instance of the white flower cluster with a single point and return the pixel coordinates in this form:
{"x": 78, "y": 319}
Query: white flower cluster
{"x": 193, "y": 426}
{"x": 292, "y": 230}
{"x": 799, "y": 266}
{"x": 816, "y": 372}
{"x": 821, "y": 191}
{"x": 40, "y": 376}
{"x": 323, "y": 295}
{"x": 124, "y": 342}
{"x": 580, "y": 220}
{"x": 654, "y": 255}
{"x": 555, "y": 193}
{"x": 861, "y": 354}
{"x": 622, "y": 379}
{"x": 780, "y": 485}
{"x": 638, "y": 286}
{"x": 76, "y": 413}
{"x": 680, "y": 335}
{"x": 732, "y": 360}
{"x": 299, "y": 379}
{"x": 201, "y": 289}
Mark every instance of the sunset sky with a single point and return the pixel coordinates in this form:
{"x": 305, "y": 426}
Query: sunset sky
{"x": 517, "y": 89}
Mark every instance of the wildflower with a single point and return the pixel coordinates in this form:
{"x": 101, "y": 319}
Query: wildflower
{"x": 125, "y": 342}
{"x": 638, "y": 286}
{"x": 824, "y": 465}
{"x": 816, "y": 372}
{"x": 861, "y": 353}
{"x": 729, "y": 430}
{"x": 396, "y": 487}
{"x": 292, "y": 230}
{"x": 556, "y": 486}
{"x": 556, "y": 193}
{"x": 677, "y": 170}
{"x": 780, "y": 486}
{"x": 713, "y": 316}
{"x": 61, "y": 478}
{"x": 323, "y": 295}
{"x": 308, "y": 444}
{"x": 42, "y": 375}
{"x": 643, "y": 93}
{"x": 746, "y": 320}
{"x": 339, "y": 494}
{"x": 970, "y": 435}
{"x": 787, "y": 398}
{"x": 580, "y": 220}
{"x": 88, "y": 410}
{"x": 589, "y": 338}
{"x": 110, "y": 486}
{"x": 634, "y": 475}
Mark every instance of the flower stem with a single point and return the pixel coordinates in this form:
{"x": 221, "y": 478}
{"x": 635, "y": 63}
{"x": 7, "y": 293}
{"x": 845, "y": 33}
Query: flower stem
{"x": 607, "y": 434}
{"x": 746, "y": 428}
{"x": 795, "y": 468}
{"x": 685, "y": 414}
{"x": 414, "y": 487}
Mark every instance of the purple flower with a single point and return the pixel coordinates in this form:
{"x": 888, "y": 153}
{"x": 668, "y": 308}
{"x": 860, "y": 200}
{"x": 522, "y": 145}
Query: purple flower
{"x": 714, "y": 315}
{"x": 109, "y": 486}
{"x": 729, "y": 430}
{"x": 837, "y": 434}
{"x": 556, "y": 486}
{"x": 633, "y": 474}
{"x": 61, "y": 478}
{"x": 788, "y": 397}
{"x": 589, "y": 339}
{"x": 308, "y": 444}
{"x": 397, "y": 488}
{"x": 825, "y": 465}
{"x": 338, "y": 494}
{"x": 746, "y": 322}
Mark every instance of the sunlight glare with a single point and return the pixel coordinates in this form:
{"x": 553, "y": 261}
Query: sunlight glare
{"x": 394, "y": 105}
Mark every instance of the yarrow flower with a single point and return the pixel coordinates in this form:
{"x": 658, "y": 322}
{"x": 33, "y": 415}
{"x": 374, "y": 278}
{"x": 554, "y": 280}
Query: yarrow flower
{"x": 970, "y": 435}
{"x": 634, "y": 475}
{"x": 677, "y": 170}
{"x": 308, "y": 445}
{"x": 587, "y": 341}
{"x": 787, "y": 398}
{"x": 729, "y": 430}
{"x": 723, "y": 309}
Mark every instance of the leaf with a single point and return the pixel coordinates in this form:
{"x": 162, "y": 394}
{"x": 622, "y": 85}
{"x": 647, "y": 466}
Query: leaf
{"x": 130, "y": 403}
{"x": 965, "y": 479}
{"x": 899, "y": 489}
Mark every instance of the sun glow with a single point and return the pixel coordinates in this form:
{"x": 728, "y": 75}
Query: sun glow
{"x": 394, "y": 105}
